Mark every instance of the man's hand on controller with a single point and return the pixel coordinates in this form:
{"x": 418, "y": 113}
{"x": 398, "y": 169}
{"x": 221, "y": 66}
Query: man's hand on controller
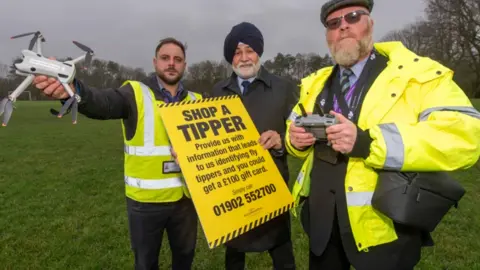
{"x": 299, "y": 137}
{"x": 342, "y": 135}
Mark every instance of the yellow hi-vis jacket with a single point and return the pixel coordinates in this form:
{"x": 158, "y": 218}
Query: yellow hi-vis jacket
{"x": 419, "y": 120}
{"x": 146, "y": 152}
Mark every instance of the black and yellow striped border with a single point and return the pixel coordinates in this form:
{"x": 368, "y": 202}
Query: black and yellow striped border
{"x": 248, "y": 227}
{"x": 202, "y": 100}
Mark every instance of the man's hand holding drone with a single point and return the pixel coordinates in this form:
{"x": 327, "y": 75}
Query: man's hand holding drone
{"x": 51, "y": 87}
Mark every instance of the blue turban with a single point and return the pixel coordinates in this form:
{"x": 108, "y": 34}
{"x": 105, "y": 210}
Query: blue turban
{"x": 246, "y": 33}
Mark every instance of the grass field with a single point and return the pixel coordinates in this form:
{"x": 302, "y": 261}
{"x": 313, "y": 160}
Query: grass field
{"x": 63, "y": 204}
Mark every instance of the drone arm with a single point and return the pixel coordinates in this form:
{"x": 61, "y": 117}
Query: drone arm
{"x": 78, "y": 59}
{"x": 39, "y": 47}
{"x": 26, "y": 82}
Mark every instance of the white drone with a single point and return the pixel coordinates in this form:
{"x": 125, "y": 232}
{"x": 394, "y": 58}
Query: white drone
{"x": 34, "y": 63}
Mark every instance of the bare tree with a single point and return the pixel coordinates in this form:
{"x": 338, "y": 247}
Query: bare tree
{"x": 451, "y": 35}
{"x": 3, "y": 70}
{"x": 415, "y": 36}
{"x": 461, "y": 18}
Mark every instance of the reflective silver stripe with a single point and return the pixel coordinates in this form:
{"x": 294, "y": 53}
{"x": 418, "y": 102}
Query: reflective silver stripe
{"x": 395, "y": 148}
{"x": 192, "y": 95}
{"x": 153, "y": 183}
{"x": 148, "y": 148}
{"x": 293, "y": 116}
{"x": 300, "y": 177}
{"x": 359, "y": 198}
{"x": 466, "y": 110}
{"x": 147, "y": 151}
{"x": 148, "y": 117}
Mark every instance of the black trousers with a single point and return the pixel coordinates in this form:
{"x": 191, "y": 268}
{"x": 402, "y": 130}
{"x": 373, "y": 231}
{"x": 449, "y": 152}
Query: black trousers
{"x": 282, "y": 257}
{"x": 402, "y": 254}
{"x": 147, "y": 222}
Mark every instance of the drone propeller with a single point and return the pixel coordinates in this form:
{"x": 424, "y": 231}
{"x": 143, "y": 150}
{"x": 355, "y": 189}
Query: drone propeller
{"x": 24, "y": 35}
{"x": 33, "y": 40}
{"x": 88, "y": 56}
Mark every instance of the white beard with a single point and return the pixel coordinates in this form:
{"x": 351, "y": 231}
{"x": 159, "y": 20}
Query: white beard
{"x": 247, "y": 72}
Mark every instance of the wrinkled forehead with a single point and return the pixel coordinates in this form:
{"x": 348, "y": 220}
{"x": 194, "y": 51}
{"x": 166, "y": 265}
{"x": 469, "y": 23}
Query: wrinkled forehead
{"x": 342, "y": 11}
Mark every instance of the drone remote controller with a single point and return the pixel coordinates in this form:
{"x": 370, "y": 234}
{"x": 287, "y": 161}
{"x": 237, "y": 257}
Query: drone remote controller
{"x": 34, "y": 63}
{"x": 316, "y": 123}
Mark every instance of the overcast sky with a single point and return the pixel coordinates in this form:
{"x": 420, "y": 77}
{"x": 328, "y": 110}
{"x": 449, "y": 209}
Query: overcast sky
{"x": 127, "y": 31}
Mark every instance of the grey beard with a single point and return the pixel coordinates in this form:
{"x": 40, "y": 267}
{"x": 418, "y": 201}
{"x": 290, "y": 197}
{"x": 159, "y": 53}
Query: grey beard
{"x": 348, "y": 57}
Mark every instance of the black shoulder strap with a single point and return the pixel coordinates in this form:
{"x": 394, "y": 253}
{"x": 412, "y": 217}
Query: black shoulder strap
{"x": 325, "y": 99}
{"x": 366, "y": 81}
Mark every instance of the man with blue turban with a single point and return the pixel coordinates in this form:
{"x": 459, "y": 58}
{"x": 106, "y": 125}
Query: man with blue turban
{"x": 268, "y": 100}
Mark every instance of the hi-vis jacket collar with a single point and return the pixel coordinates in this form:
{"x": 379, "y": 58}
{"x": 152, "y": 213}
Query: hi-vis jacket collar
{"x": 408, "y": 64}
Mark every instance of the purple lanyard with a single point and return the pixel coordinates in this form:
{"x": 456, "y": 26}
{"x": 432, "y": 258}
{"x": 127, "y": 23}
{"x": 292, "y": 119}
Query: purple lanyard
{"x": 348, "y": 96}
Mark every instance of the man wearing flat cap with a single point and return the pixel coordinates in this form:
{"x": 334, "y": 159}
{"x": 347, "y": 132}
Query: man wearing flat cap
{"x": 395, "y": 111}
{"x": 269, "y": 100}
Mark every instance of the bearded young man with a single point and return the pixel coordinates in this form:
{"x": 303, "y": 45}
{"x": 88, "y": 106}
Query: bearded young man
{"x": 397, "y": 112}
{"x": 268, "y": 100}
{"x": 156, "y": 194}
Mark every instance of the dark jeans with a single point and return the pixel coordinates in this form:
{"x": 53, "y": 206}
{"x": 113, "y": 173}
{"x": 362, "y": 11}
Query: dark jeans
{"x": 147, "y": 222}
{"x": 282, "y": 257}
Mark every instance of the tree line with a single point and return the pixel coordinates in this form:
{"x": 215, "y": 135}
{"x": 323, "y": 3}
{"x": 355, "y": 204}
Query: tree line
{"x": 199, "y": 77}
{"x": 450, "y": 34}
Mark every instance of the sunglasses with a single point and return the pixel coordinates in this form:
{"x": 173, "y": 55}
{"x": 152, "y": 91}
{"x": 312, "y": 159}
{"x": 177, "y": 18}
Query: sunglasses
{"x": 351, "y": 18}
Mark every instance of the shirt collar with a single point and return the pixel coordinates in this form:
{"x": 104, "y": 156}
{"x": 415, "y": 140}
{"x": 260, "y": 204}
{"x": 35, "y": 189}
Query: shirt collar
{"x": 263, "y": 76}
{"x": 166, "y": 92}
{"x": 240, "y": 80}
{"x": 357, "y": 68}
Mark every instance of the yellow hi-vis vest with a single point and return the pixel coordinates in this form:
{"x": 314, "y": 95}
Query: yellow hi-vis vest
{"x": 146, "y": 152}
{"x": 419, "y": 120}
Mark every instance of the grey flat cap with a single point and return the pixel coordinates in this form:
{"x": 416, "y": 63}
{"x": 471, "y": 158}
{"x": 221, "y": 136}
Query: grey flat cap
{"x": 333, "y": 5}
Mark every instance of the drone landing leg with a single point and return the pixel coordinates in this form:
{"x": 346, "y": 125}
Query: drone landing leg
{"x": 74, "y": 112}
{"x": 22, "y": 87}
{"x": 6, "y": 105}
{"x": 71, "y": 102}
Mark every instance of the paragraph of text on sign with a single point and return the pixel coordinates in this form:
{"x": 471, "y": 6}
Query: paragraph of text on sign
{"x": 233, "y": 181}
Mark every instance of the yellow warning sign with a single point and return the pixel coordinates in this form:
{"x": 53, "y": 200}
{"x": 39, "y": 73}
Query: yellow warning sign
{"x": 234, "y": 182}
